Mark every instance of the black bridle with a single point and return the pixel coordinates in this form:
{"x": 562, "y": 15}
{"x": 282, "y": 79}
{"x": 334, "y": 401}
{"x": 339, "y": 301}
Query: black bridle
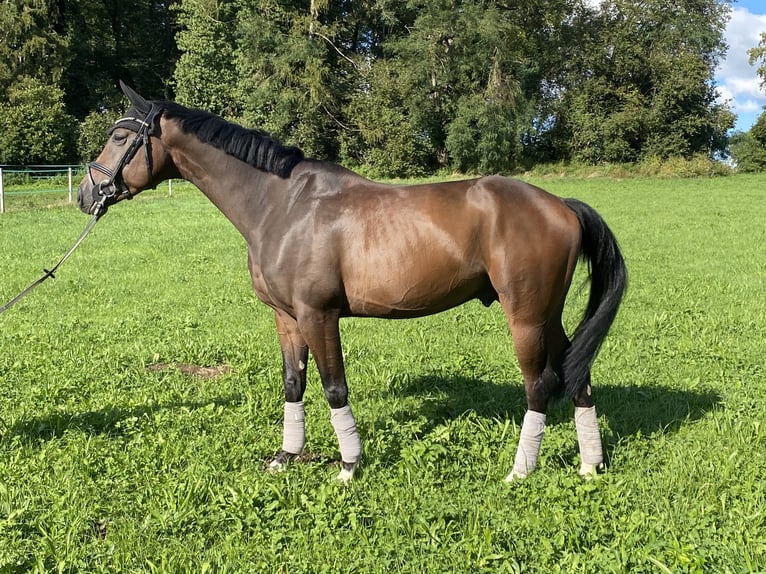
{"x": 114, "y": 188}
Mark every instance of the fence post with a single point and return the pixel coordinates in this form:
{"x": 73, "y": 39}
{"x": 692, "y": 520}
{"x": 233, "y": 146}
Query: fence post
{"x": 69, "y": 171}
{"x": 170, "y": 188}
{"x": 2, "y": 196}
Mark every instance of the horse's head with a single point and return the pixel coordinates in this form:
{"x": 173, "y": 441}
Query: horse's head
{"x": 122, "y": 169}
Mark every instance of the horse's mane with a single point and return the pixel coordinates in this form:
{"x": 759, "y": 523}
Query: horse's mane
{"x": 251, "y": 146}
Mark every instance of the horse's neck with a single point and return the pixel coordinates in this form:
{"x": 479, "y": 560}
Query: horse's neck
{"x": 236, "y": 189}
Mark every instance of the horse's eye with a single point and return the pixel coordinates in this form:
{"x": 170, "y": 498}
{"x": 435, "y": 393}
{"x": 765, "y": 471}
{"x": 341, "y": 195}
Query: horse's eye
{"x": 118, "y": 137}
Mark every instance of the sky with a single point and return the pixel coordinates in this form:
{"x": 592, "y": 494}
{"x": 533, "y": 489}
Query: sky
{"x": 736, "y": 79}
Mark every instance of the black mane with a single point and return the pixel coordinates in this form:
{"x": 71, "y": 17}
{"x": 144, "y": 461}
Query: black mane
{"x": 251, "y": 146}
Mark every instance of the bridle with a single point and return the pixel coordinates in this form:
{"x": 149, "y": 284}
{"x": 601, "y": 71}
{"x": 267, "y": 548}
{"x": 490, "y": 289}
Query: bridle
{"x": 114, "y": 188}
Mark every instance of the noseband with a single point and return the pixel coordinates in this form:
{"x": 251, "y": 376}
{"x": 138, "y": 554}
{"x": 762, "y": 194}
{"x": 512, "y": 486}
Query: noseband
{"x": 114, "y": 187}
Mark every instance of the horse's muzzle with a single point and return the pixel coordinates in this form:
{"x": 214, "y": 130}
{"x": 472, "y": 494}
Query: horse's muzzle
{"x": 86, "y": 197}
{"x": 94, "y": 199}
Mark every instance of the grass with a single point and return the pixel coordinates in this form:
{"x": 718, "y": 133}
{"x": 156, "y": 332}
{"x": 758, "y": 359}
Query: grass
{"x": 114, "y": 458}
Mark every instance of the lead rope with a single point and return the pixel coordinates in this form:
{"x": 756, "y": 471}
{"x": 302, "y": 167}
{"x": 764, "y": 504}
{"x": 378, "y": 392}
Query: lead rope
{"x": 51, "y": 273}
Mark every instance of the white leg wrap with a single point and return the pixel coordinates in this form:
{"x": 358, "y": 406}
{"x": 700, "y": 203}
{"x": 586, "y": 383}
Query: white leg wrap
{"x": 294, "y": 437}
{"x": 343, "y": 422}
{"x": 532, "y": 430}
{"x": 589, "y": 439}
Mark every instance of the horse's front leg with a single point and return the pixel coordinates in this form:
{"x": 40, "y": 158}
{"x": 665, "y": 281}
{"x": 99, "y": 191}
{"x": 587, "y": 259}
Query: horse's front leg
{"x": 320, "y": 328}
{"x": 295, "y": 354}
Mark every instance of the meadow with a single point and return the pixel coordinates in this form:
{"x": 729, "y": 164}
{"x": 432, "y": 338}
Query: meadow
{"x": 140, "y": 402}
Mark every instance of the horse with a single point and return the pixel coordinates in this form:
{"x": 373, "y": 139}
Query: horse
{"x": 324, "y": 243}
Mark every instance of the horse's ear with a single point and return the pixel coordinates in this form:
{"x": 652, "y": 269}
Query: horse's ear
{"x": 138, "y": 102}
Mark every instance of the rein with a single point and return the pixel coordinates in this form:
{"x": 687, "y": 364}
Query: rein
{"x": 51, "y": 273}
{"x": 114, "y": 182}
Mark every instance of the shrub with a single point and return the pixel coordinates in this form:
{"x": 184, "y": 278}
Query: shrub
{"x": 748, "y": 153}
{"x": 34, "y": 126}
{"x": 482, "y": 137}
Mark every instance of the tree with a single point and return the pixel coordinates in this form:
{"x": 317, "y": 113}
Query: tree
{"x": 466, "y": 78}
{"x": 757, "y": 55}
{"x": 298, "y": 66}
{"x": 35, "y": 127}
{"x": 748, "y": 152}
{"x": 399, "y": 86}
{"x": 461, "y": 63}
{"x": 113, "y": 40}
{"x": 644, "y": 84}
{"x": 205, "y": 75}
{"x": 385, "y": 135}
{"x": 85, "y": 47}
{"x": 91, "y": 133}
{"x": 31, "y": 42}
{"x": 64, "y": 58}
{"x": 90, "y": 78}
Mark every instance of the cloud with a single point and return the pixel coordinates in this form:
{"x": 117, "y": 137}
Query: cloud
{"x": 736, "y": 79}
{"x": 749, "y": 106}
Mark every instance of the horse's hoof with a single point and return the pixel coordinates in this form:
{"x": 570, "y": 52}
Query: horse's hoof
{"x": 280, "y": 462}
{"x": 346, "y": 472}
{"x": 591, "y": 471}
{"x": 515, "y": 476}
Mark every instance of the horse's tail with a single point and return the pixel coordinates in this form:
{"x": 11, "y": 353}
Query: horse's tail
{"x": 608, "y": 278}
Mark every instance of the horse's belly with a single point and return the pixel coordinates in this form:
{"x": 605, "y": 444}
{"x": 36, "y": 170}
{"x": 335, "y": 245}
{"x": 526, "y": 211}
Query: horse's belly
{"x": 396, "y": 296}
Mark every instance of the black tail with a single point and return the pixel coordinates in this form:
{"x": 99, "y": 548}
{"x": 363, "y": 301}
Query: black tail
{"x": 609, "y": 278}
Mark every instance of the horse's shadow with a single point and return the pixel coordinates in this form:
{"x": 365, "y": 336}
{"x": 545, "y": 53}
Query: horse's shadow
{"x": 629, "y": 410}
{"x": 104, "y": 422}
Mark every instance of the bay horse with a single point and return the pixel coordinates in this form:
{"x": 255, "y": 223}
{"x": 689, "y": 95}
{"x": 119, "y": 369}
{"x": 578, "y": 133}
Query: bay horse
{"x": 325, "y": 243}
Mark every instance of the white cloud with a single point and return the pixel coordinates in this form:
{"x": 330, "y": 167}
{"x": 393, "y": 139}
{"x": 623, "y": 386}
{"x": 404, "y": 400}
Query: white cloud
{"x": 749, "y": 106}
{"x": 737, "y": 79}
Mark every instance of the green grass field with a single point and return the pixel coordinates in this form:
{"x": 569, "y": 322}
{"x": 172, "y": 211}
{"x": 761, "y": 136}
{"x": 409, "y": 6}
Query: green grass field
{"x": 116, "y": 457}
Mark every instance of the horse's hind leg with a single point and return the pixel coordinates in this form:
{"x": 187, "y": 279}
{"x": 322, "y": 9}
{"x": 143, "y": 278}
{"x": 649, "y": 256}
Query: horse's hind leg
{"x": 540, "y": 341}
{"x": 540, "y": 352}
{"x": 533, "y": 345}
{"x": 588, "y": 435}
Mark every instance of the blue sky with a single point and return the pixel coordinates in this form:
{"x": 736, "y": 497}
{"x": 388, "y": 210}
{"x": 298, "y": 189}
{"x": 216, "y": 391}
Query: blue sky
{"x": 736, "y": 79}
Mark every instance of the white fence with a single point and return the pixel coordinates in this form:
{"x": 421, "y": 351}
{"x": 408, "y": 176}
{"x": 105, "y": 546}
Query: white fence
{"x": 34, "y": 174}
{"x": 26, "y": 180}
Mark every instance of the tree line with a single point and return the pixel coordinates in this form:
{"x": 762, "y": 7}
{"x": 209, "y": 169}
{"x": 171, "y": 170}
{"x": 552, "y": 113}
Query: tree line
{"x": 397, "y": 87}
